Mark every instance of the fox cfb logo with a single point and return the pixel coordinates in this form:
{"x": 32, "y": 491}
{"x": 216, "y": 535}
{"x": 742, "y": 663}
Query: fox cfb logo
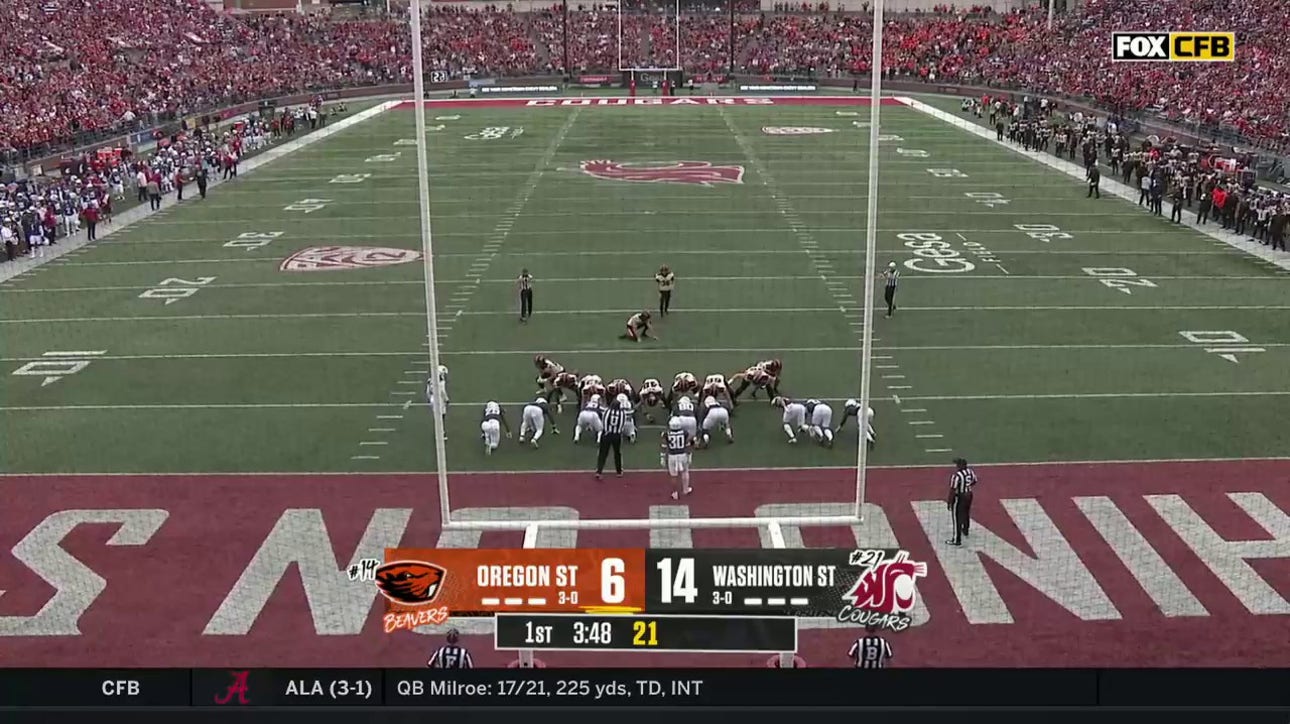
{"x": 1174, "y": 47}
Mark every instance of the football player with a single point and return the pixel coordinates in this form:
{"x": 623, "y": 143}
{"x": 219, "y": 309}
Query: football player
{"x": 759, "y": 378}
{"x": 851, "y": 409}
{"x": 533, "y": 420}
{"x": 794, "y": 420}
{"x": 676, "y": 446}
{"x": 715, "y": 386}
{"x": 715, "y": 417}
{"x": 684, "y": 383}
{"x": 683, "y": 408}
{"x": 638, "y": 327}
{"x": 629, "y": 421}
{"x": 490, "y": 426}
{"x": 620, "y": 386}
{"x": 589, "y": 419}
{"x": 652, "y": 395}
{"x": 560, "y": 384}
{"x": 590, "y": 385}
{"x": 547, "y": 371}
{"x": 443, "y": 383}
{"x": 821, "y": 425}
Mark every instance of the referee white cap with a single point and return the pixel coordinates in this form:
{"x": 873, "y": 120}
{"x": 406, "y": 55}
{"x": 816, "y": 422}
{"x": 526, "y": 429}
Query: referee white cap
{"x": 892, "y": 265}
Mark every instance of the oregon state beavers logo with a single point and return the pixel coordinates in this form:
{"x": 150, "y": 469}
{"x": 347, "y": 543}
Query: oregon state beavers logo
{"x": 412, "y": 583}
{"x": 700, "y": 173}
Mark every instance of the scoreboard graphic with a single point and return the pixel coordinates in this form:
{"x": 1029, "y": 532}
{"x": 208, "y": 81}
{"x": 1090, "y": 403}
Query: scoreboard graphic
{"x": 617, "y": 599}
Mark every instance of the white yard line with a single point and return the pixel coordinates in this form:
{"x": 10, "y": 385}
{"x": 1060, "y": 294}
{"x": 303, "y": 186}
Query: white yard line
{"x": 132, "y": 216}
{"x": 1109, "y": 185}
{"x": 456, "y": 307}
{"x": 515, "y": 403}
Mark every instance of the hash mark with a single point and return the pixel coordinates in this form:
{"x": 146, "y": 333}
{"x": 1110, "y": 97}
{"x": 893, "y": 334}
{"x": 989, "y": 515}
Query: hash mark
{"x": 932, "y": 436}
{"x": 364, "y": 457}
{"x": 939, "y": 450}
{"x": 373, "y": 442}
{"x": 914, "y": 409}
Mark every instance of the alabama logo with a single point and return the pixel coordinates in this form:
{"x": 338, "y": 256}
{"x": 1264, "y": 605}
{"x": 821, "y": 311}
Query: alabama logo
{"x": 410, "y": 585}
{"x": 794, "y": 130}
{"x": 885, "y": 589}
{"x": 327, "y": 258}
{"x": 699, "y": 173}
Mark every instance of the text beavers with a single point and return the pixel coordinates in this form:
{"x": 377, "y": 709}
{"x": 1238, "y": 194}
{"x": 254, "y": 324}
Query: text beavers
{"x": 518, "y": 576}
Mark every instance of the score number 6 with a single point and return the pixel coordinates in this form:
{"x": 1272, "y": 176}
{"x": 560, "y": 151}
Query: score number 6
{"x": 613, "y": 587}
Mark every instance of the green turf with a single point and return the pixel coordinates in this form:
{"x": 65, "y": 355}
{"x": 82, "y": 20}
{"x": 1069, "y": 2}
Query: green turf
{"x": 1024, "y": 357}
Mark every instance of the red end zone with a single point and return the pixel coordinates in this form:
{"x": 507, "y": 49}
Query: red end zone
{"x": 611, "y": 101}
{"x": 1166, "y": 564}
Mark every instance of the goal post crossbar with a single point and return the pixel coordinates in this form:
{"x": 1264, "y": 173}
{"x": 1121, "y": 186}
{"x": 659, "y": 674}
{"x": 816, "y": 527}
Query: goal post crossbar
{"x": 652, "y": 523}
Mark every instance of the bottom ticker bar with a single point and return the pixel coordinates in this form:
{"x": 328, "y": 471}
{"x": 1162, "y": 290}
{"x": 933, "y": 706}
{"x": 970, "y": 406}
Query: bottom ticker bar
{"x": 797, "y": 688}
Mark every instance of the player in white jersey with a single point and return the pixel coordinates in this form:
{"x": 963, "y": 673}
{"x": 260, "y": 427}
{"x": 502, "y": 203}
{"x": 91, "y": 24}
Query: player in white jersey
{"x": 794, "y": 419}
{"x": 589, "y": 419}
{"x": 533, "y": 421}
{"x": 490, "y": 426}
{"x": 852, "y": 409}
{"x": 443, "y": 383}
{"x": 715, "y": 417}
{"x": 821, "y": 422}
{"x": 676, "y": 445}
{"x": 629, "y": 421}
{"x": 683, "y": 409}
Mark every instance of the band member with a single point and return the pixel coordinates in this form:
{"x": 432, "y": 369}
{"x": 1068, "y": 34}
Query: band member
{"x": 638, "y": 327}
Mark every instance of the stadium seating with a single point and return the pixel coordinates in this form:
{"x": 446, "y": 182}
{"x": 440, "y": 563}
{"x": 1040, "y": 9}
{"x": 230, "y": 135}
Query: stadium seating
{"x": 121, "y": 65}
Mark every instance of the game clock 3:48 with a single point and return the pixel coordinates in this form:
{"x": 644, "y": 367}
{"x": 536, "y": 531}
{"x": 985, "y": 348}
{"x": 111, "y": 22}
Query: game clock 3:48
{"x": 576, "y": 632}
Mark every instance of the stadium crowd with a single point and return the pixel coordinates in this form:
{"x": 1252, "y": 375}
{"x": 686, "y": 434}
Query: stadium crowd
{"x": 119, "y": 65}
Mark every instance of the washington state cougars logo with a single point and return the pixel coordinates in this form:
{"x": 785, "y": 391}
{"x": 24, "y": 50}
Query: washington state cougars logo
{"x": 885, "y": 589}
{"x": 411, "y": 583}
{"x": 699, "y": 173}
{"x": 326, "y": 258}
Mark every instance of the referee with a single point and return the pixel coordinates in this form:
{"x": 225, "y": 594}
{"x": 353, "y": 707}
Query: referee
{"x": 959, "y": 501}
{"x": 891, "y": 275}
{"x": 870, "y": 651}
{"x": 666, "y": 283}
{"x": 613, "y": 418}
{"x": 525, "y": 284}
{"x": 450, "y": 655}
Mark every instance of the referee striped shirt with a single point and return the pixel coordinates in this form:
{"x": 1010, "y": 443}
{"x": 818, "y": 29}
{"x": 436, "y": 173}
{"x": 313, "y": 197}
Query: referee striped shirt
{"x": 615, "y": 417}
{"x": 451, "y": 657}
{"x": 962, "y": 481}
{"x": 870, "y": 652}
{"x": 525, "y": 281}
{"x": 893, "y": 277}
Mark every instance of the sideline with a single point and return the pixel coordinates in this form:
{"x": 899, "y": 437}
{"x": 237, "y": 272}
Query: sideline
{"x": 129, "y": 217}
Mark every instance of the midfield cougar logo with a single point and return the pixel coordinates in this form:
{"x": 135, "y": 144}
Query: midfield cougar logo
{"x": 326, "y": 258}
{"x": 885, "y": 590}
{"x": 700, "y": 173}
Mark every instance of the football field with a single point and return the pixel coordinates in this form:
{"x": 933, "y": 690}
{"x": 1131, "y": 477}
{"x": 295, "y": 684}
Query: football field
{"x": 279, "y": 330}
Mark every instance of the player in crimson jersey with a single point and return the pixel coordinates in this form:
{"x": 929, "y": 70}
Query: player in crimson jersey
{"x": 652, "y": 395}
{"x": 757, "y": 377}
{"x": 565, "y": 382}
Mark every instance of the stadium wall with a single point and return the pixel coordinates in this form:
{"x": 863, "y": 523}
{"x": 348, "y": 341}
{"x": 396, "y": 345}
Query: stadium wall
{"x": 135, "y": 141}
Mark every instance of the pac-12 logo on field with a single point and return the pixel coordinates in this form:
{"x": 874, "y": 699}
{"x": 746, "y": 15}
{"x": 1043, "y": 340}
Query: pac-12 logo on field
{"x": 885, "y": 589}
{"x": 1174, "y": 47}
{"x": 326, "y": 258}
{"x": 794, "y": 130}
{"x": 699, "y": 173}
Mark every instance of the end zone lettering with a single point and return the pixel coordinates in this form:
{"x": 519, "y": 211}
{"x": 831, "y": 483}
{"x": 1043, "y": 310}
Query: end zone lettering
{"x": 1174, "y": 46}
